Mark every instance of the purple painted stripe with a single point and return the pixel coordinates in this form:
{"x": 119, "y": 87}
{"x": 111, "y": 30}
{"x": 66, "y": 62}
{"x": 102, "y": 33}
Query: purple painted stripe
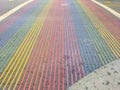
{"x": 66, "y": 52}
{"x": 77, "y": 55}
{"x": 68, "y": 57}
{"x": 75, "y": 68}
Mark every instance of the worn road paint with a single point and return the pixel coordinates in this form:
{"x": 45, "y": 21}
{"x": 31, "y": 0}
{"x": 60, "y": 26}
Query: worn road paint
{"x": 2, "y": 17}
{"x": 107, "y": 8}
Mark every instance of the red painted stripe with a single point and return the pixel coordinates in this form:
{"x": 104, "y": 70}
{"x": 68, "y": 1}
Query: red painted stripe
{"x": 52, "y": 59}
{"x": 58, "y": 48}
{"x": 40, "y": 51}
{"x": 41, "y": 44}
{"x": 49, "y": 59}
{"x": 46, "y": 54}
{"x": 54, "y": 46}
{"x": 41, "y": 66}
{"x": 51, "y": 23}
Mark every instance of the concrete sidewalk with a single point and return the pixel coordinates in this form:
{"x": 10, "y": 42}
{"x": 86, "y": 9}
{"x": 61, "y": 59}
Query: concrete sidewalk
{"x": 105, "y": 78}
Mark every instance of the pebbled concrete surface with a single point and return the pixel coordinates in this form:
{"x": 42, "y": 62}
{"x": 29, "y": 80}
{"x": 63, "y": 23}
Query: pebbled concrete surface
{"x": 104, "y": 78}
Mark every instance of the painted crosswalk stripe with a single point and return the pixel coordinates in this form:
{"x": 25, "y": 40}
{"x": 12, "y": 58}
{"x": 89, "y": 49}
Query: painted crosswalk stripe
{"x": 113, "y": 44}
{"x": 26, "y": 49}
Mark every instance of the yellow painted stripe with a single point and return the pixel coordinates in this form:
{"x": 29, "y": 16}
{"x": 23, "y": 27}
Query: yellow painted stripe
{"x": 113, "y": 44}
{"x": 22, "y": 55}
{"x": 114, "y": 5}
{"x": 46, "y": 11}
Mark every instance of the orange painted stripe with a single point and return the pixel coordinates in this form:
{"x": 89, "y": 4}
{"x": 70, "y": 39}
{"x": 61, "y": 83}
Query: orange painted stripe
{"x": 40, "y": 50}
{"x": 49, "y": 59}
{"x": 46, "y": 55}
{"x": 29, "y": 66}
{"x": 52, "y": 61}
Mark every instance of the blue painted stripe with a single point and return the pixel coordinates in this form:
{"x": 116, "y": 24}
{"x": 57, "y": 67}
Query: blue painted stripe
{"x": 89, "y": 56}
{"x": 104, "y": 52}
{"x": 12, "y": 45}
{"x": 5, "y": 36}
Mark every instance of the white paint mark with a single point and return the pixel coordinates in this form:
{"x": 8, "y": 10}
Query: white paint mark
{"x": 65, "y": 4}
{"x": 11, "y": 0}
{"x": 107, "y": 8}
{"x": 2, "y": 17}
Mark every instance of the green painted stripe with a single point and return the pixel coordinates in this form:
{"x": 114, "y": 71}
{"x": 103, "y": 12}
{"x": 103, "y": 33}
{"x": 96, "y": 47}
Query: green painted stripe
{"x": 100, "y": 45}
{"x": 9, "y": 49}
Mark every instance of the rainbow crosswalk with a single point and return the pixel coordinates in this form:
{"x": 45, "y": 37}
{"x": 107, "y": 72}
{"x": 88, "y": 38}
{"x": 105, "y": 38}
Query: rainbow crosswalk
{"x": 51, "y": 44}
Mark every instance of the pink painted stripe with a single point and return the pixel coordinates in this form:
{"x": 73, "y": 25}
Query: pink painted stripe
{"x": 41, "y": 50}
{"x": 73, "y": 50}
{"x": 60, "y": 29}
{"x": 69, "y": 54}
{"x": 56, "y": 51}
{"x": 67, "y": 63}
{"x": 42, "y": 60}
{"x": 76, "y": 51}
{"x": 73, "y": 60}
